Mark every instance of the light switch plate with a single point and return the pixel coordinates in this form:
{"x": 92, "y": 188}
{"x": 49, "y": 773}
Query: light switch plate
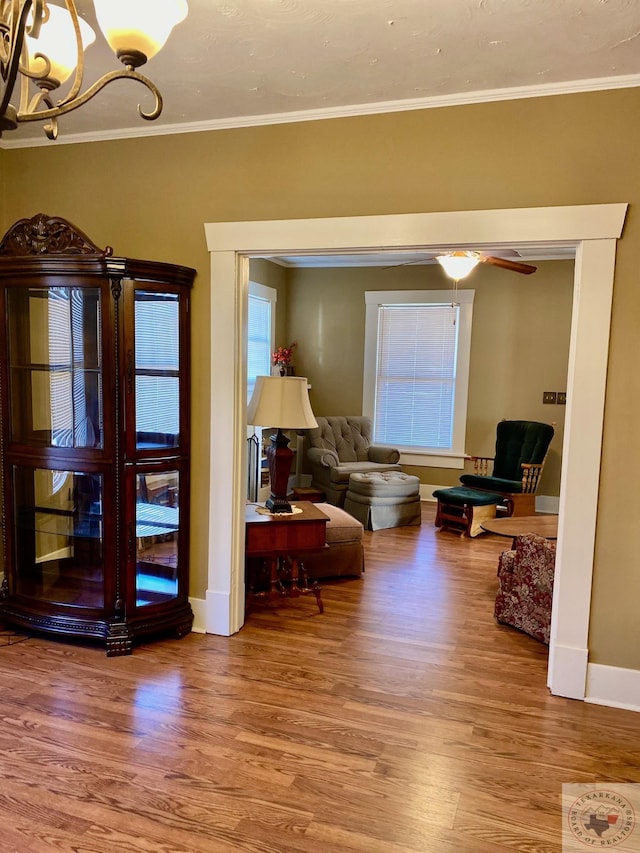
{"x": 561, "y": 398}
{"x": 549, "y": 397}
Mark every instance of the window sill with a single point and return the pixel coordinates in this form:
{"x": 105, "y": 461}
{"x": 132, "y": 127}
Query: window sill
{"x": 432, "y": 460}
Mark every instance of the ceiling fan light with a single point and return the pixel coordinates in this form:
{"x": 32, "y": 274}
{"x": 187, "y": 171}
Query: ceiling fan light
{"x": 458, "y": 265}
{"x": 57, "y": 41}
{"x": 138, "y": 27}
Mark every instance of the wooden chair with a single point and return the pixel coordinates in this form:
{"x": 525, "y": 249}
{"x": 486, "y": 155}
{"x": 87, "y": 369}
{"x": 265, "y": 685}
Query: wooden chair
{"x": 521, "y": 451}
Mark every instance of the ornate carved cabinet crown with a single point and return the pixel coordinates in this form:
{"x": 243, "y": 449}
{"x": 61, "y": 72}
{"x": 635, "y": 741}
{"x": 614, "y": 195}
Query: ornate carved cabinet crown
{"x": 94, "y": 441}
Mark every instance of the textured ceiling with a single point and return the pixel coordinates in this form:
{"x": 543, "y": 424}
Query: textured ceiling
{"x": 253, "y": 61}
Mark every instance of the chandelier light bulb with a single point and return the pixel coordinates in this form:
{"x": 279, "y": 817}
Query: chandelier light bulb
{"x": 138, "y": 28}
{"x": 57, "y": 41}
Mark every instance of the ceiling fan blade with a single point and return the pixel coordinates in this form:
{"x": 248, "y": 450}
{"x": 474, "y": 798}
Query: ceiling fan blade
{"x": 403, "y": 264}
{"x": 525, "y": 269}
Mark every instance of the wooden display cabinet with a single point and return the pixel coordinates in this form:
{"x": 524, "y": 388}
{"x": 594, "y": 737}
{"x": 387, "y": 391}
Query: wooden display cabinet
{"x": 94, "y": 442}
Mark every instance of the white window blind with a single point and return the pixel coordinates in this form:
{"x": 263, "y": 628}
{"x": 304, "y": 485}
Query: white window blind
{"x": 259, "y": 333}
{"x": 415, "y": 376}
{"x": 416, "y": 371}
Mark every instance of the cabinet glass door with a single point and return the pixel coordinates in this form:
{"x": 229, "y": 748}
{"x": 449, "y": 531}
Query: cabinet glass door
{"x": 157, "y": 530}
{"x": 54, "y": 366}
{"x": 59, "y": 551}
{"x": 157, "y": 363}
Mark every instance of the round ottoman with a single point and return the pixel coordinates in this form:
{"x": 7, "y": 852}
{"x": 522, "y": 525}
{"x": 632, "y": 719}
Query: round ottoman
{"x": 382, "y": 499}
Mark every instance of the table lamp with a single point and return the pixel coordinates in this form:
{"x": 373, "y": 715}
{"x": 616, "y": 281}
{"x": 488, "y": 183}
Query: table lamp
{"x": 282, "y": 402}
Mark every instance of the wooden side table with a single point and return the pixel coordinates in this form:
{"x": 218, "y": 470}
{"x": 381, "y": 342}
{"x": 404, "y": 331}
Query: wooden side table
{"x": 282, "y": 540}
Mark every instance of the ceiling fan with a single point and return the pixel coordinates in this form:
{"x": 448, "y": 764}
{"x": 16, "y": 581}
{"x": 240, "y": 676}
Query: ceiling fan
{"x": 458, "y": 264}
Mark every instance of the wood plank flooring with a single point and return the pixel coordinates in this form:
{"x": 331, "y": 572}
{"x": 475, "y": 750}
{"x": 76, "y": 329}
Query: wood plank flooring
{"x": 403, "y": 720}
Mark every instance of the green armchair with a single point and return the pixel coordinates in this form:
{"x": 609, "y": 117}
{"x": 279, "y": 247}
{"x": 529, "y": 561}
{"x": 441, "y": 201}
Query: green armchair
{"x": 521, "y": 451}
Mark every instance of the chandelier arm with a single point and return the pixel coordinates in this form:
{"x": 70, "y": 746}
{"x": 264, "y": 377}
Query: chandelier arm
{"x": 67, "y": 105}
{"x": 51, "y": 129}
{"x": 77, "y": 80}
{"x": 37, "y": 99}
{"x": 40, "y": 14}
{"x": 33, "y": 73}
{"x": 13, "y": 21}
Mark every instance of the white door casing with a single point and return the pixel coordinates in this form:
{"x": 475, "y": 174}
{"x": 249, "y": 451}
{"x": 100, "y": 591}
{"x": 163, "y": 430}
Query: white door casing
{"x": 591, "y": 229}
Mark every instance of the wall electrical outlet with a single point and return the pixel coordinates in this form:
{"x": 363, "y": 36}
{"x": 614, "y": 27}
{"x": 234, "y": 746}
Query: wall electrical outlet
{"x": 561, "y": 398}
{"x": 549, "y": 397}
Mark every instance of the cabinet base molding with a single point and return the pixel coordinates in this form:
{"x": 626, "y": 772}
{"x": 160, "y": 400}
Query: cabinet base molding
{"x": 119, "y": 636}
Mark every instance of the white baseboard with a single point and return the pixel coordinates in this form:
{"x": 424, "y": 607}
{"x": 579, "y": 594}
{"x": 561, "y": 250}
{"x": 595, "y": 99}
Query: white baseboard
{"x": 548, "y": 503}
{"x": 613, "y": 686}
{"x": 217, "y": 613}
{"x": 199, "y": 607}
{"x": 567, "y": 670}
{"x": 426, "y": 492}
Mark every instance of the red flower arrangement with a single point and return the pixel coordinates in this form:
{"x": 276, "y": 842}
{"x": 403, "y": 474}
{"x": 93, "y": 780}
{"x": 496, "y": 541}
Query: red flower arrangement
{"x": 283, "y": 354}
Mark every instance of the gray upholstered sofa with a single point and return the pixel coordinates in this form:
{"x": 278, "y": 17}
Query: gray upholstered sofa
{"x": 341, "y": 446}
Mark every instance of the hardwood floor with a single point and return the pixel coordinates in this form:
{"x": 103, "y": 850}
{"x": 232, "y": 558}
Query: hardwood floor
{"x": 403, "y": 720}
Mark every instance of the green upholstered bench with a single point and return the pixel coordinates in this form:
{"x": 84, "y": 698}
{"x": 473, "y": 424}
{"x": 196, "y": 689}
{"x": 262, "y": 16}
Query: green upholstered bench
{"x": 464, "y": 509}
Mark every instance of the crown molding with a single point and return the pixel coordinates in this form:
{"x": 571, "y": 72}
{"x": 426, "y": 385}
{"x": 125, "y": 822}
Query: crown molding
{"x": 571, "y": 87}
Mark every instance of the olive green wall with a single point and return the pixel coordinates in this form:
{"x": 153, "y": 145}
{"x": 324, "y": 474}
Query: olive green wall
{"x": 519, "y": 346}
{"x": 273, "y": 275}
{"x": 150, "y": 197}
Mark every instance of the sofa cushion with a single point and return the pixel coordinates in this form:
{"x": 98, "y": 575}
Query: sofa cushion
{"x": 341, "y": 473}
{"x": 498, "y": 484}
{"x": 344, "y": 555}
{"x": 461, "y": 496}
{"x": 341, "y": 526}
{"x": 348, "y": 437}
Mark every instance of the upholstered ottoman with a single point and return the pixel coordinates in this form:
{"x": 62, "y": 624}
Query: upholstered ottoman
{"x": 344, "y": 554}
{"x": 382, "y": 499}
{"x": 464, "y": 509}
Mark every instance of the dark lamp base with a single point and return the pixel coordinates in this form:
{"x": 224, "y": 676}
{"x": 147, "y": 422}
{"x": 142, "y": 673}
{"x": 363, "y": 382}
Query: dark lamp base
{"x": 279, "y": 459}
{"x": 275, "y": 505}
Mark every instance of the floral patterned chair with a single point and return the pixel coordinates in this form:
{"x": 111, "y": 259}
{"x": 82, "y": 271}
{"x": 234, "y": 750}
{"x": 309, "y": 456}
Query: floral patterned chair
{"x": 525, "y": 592}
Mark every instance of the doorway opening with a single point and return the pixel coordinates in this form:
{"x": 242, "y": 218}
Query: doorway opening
{"x": 592, "y": 230}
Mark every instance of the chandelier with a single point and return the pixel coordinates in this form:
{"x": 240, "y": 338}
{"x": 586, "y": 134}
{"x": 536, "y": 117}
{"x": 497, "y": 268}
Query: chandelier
{"x": 42, "y": 44}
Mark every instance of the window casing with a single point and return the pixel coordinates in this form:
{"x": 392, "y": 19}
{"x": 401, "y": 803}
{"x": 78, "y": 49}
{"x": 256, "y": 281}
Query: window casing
{"x": 416, "y": 372}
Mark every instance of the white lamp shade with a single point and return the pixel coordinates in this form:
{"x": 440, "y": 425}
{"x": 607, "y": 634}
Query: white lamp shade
{"x": 281, "y": 401}
{"x": 458, "y": 265}
{"x": 139, "y": 25}
{"x": 57, "y": 41}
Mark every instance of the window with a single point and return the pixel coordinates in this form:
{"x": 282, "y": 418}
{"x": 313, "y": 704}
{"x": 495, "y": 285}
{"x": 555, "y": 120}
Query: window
{"x": 416, "y": 372}
{"x": 260, "y": 332}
